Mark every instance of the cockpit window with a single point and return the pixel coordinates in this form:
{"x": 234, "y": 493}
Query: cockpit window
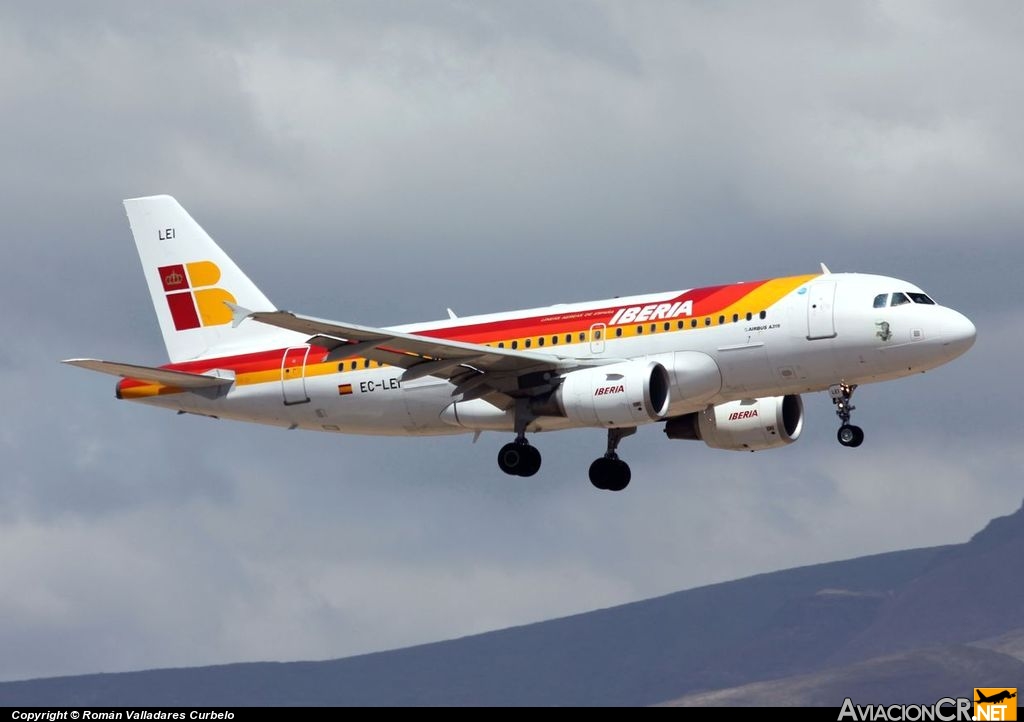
{"x": 920, "y": 298}
{"x": 898, "y": 299}
{"x": 881, "y": 299}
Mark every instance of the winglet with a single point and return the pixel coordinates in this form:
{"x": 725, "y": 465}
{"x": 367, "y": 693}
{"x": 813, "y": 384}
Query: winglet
{"x": 451, "y": 314}
{"x": 824, "y": 269}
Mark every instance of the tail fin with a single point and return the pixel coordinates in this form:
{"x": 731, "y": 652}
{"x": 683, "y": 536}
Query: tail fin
{"x": 191, "y": 281}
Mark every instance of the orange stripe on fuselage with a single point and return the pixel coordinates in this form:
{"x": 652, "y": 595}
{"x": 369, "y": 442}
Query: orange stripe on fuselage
{"x": 709, "y": 302}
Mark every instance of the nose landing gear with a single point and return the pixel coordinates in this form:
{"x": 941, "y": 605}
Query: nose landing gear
{"x": 848, "y": 434}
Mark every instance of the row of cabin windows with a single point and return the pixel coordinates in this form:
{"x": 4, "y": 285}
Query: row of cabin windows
{"x": 528, "y": 343}
{"x": 365, "y": 363}
{"x": 667, "y": 326}
{"x": 540, "y": 341}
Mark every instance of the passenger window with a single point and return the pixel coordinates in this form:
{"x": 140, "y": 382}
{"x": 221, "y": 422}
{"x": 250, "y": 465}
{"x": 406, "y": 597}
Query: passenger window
{"x": 921, "y": 298}
{"x": 762, "y": 315}
{"x": 681, "y": 325}
{"x": 568, "y": 338}
{"x": 898, "y": 299}
{"x": 618, "y": 332}
{"x": 540, "y": 341}
{"x": 880, "y": 300}
{"x": 597, "y": 335}
{"x": 735, "y": 317}
{"x": 501, "y": 344}
{"x": 366, "y": 364}
{"x": 707, "y": 320}
{"x": 693, "y": 323}
{"x": 528, "y": 343}
{"x": 749, "y": 315}
{"x": 353, "y": 366}
{"x": 639, "y": 330}
{"x": 554, "y": 340}
{"x": 721, "y": 320}
{"x": 583, "y": 336}
{"x": 654, "y": 327}
{"x": 515, "y": 344}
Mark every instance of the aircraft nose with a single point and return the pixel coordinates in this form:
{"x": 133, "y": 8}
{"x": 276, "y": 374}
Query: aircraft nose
{"x": 958, "y": 332}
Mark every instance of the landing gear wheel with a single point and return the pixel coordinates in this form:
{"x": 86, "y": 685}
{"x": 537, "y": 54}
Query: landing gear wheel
{"x": 519, "y": 459}
{"x": 848, "y": 434}
{"x": 610, "y": 473}
{"x": 599, "y": 473}
{"x": 531, "y": 461}
{"x": 852, "y": 436}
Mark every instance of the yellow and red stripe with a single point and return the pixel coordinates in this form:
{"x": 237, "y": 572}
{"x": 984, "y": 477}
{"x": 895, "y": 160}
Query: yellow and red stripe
{"x": 708, "y": 306}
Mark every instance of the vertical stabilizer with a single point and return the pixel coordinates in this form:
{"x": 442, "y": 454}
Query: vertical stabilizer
{"x": 191, "y": 281}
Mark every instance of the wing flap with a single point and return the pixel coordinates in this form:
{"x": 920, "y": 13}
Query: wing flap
{"x": 180, "y": 379}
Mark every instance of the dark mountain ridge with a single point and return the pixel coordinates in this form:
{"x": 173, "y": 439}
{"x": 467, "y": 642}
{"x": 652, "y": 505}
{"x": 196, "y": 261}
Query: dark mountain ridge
{"x": 766, "y": 627}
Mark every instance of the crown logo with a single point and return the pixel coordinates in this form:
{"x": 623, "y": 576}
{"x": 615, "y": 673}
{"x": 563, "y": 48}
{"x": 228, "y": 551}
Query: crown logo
{"x": 173, "y": 278}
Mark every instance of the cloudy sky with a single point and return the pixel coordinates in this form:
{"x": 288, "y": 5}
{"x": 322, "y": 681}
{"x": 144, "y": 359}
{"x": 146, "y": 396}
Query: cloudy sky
{"x": 377, "y": 162}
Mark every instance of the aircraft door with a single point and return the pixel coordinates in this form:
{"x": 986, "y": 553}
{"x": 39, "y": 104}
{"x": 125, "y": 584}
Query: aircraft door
{"x": 821, "y": 298}
{"x": 597, "y": 333}
{"x": 293, "y": 375}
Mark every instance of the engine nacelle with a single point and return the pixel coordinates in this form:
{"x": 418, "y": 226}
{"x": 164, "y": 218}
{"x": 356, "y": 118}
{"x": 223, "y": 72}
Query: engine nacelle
{"x": 695, "y": 379}
{"x": 747, "y": 425}
{"x": 622, "y": 394}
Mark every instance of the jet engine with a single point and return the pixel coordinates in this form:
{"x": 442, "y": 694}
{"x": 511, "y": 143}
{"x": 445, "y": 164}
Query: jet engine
{"x": 746, "y": 425}
{"x": 622, "y": 394}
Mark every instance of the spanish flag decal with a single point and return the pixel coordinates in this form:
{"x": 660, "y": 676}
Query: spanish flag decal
{"x": 344, "y": 389}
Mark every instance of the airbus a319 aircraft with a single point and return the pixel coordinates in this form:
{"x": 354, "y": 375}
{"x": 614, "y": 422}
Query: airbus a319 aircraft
{"x": 724, "y": 365}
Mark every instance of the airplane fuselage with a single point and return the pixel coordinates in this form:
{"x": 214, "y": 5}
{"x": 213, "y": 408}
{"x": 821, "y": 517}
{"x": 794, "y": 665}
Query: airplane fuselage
{"x": 766, "y": 338}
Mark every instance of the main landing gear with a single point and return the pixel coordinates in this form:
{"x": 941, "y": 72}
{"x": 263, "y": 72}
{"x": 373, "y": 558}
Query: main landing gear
{"x": 610, "y": 472}
{"x": 519, "y": 458}
{"x": 848, "y": 435}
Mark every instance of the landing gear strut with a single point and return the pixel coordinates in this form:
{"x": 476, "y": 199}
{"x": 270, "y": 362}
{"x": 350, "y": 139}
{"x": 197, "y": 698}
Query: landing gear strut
{"x": 848, "y": 435}
{"x": 610, "y": 472}
{"x": 518, "y": 458}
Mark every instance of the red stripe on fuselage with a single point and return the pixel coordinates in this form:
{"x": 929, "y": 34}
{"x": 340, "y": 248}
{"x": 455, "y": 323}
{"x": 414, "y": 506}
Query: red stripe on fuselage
{"x": 706, "y": 301}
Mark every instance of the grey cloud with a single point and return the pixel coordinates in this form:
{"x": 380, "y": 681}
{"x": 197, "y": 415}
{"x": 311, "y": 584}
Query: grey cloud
{"x": 378, "y": 162}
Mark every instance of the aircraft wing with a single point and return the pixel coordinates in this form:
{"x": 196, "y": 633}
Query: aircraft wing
{"x": 180, "y": 379}
{"x": 476, "y": 369}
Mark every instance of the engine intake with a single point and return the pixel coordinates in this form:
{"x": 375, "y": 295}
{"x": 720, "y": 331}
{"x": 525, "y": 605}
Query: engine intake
{"x": 746, "y": 425}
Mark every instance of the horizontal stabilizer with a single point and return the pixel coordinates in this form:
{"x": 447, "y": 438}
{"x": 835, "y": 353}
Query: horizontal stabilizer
{"x": 181, "y": 379}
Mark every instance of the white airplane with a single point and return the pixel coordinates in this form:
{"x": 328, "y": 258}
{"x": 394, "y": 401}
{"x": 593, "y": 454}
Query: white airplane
{"x": 724, "y": 365}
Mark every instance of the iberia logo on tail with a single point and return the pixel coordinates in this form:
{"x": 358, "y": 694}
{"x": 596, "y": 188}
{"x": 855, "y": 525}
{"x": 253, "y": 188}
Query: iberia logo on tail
{"x": 191, "y": 296}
